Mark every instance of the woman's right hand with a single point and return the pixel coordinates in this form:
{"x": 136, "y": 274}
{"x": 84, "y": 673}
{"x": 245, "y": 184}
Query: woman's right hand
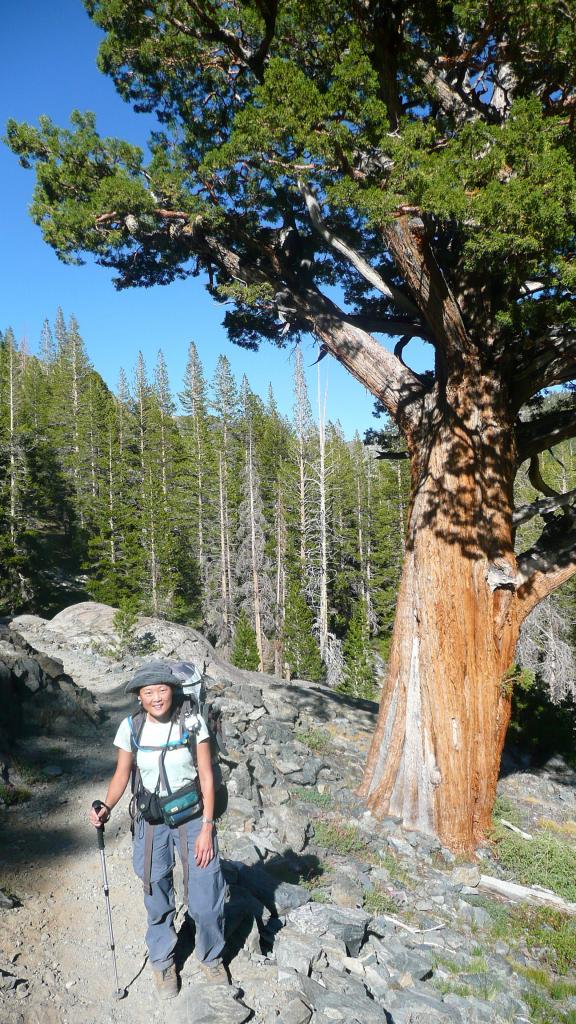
{"x": 100, "y": 817}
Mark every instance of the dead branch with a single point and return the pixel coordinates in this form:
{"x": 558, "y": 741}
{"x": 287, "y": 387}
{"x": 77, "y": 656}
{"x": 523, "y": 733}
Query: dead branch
{"x": 362, "y": 266}
{"x": 536, "y": 508}
{"x": 534, "y": 895}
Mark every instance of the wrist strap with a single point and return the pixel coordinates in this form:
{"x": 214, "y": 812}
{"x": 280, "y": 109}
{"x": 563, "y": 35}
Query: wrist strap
{"x": 208, "y": 821}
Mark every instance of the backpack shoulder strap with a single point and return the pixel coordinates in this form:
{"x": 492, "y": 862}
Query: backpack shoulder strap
{"x": 136, "y": 723}
{"x": 189, "y": 707}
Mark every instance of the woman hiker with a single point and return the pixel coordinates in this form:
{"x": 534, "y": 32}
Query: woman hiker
{"x": 161, "y": 756}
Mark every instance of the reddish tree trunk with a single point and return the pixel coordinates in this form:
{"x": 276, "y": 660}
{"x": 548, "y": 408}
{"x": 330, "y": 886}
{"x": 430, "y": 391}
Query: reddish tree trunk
{"x": 435, "y": 754}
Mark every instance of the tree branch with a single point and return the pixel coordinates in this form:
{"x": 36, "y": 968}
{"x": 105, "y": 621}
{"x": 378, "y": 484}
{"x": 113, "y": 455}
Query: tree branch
{"x": 362, "y": 266}
{"x": 537, "y": 480}
{"x": 390, "y": 327}
{"x": 527, "y": 512}
{"x": 541, "y": 505}
{"x": 415, "y": 261}
{"x": 534, "y": 436}
{"x": 548, "y": 564}
{"x": 551, "y": 360}
{"x": 449, "y": 99}
{"x": 377, "y": 369}
{"x": 214, "y": 32}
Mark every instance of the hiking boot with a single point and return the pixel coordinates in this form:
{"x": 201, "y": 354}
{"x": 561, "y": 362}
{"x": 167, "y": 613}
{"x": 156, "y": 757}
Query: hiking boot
{"x": 215, "y": 974}
{"x": 166, "y": 982}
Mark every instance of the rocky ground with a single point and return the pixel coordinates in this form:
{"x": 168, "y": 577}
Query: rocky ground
{"x": 332, "y": 916}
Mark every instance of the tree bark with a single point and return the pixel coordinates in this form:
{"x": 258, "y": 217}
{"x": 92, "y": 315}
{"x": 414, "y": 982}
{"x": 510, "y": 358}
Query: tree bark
{"x": 435, "y": 755}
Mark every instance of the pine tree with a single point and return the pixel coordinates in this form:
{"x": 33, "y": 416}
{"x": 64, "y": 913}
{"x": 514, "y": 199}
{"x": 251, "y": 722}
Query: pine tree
{"x": 301, "y": 653}
{"x": 358, "y": 675}
{"x": 245, "y": 652}
{"x": 221, "y": 580}
{"x": 202, "y": 488}
{"x": 253, "y": 580}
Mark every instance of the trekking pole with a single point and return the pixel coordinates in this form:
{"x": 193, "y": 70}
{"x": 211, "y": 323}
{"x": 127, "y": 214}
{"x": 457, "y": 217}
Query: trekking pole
{"x": 120, "y": 993}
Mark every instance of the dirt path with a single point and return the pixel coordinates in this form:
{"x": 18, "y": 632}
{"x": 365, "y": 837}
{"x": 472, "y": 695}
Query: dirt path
{"x": 56, "y": 942}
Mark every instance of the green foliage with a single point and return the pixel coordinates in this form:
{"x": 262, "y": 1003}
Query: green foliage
{"x": 544, "y": 860}
{"x": 516, "y": 677}
{"x": 506, "y": 808}
{"x": 12, "y": 795}
{"x": 338, "y": 837}
{"x": 556, "y": 988}
{"x": 244, "y": 649}
{"x": 315, "y": 739}
{"x": 543, "y": 1011}
{"x": 308, "y": 795}
{"x": 358, "y": 674}
{"x": 309, "y": 93}
{"x": 549, "y": 934}
{"x": 29, "y": 774}
{"x": 540, "y": 727}
{"x": 301, "y": 652}
{"x": 378, "y": 901}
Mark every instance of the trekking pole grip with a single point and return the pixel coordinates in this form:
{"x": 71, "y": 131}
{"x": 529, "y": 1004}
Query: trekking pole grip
{"x": 97, "y": 804}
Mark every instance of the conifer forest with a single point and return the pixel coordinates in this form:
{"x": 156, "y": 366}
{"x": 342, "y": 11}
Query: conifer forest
{"x": 277, "y": 537}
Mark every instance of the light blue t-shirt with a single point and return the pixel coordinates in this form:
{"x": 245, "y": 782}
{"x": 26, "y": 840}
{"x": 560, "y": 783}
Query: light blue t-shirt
{"x": 178, "y": 763}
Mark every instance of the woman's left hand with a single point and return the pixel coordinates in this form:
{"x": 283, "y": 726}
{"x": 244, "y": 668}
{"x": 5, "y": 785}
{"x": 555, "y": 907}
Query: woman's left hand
{"x": 204, "y": 848}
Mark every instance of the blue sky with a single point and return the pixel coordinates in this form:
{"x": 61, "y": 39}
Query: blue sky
{"x": 48, "y": 66}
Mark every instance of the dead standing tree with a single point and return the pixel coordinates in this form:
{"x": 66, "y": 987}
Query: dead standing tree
{"x": 422, "y": 155}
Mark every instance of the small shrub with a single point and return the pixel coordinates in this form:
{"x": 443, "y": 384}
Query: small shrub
{"x": 447, "y": 964}
{"x": 387, "y": 861}
{"x": 453, "y": 986}
{"x": 339, "y": 838}
{"x": 320, "y": 896}
{"x": 504, "y": 808}
{"x": 378, "y": 901}
{"x": 126, "y": 641}
{"x": 478, "y": 964}
{"x": 314, "y": 739}
{"x": 29, "y": 774}
{"x": 309, "y": 795}
{"x": 11, "y": 795}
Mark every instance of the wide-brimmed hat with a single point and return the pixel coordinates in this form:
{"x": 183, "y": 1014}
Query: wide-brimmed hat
{"x": 152, "y": 673}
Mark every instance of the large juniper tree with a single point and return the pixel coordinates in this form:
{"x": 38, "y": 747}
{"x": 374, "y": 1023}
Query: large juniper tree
{"x": 422, "y": 157}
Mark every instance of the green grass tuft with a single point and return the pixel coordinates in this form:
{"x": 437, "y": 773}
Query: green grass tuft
{"x": 338, "y": 838}
{"x": 309, "y": 795}
{"x": 544, "y": 860}
{"x": 12, "y": 795}
{"x": 505, "y": 808}
{"x": 378, "y": 901}
{"x": 314, "y": 739}
{"x": 549, "y": 935}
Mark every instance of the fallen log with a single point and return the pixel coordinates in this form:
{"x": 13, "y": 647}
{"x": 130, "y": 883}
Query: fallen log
{"x": 535, "y": 895}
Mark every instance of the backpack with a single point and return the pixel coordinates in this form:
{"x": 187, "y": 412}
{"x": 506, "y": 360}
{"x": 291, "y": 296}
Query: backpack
{"x": 189, "y": 701}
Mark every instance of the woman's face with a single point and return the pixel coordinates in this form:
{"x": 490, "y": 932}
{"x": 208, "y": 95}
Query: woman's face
{"x": 157, "y": 700}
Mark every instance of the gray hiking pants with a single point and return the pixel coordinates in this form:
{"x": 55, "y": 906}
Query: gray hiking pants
{"x": 206, "y": 895}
